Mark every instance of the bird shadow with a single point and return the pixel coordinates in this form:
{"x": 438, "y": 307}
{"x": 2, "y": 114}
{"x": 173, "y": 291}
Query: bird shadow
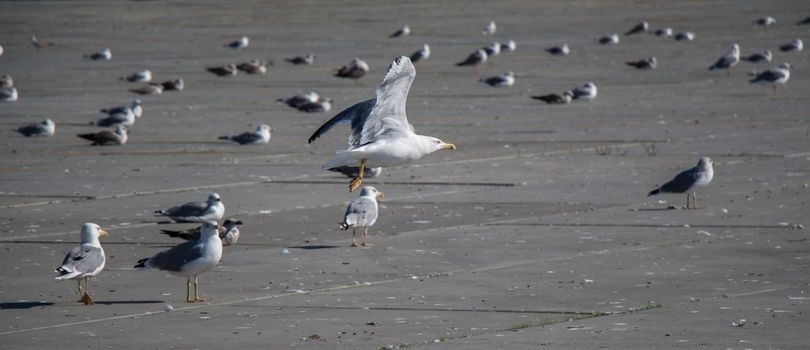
{"x": 313, "y": 247}
{"x": 130, "y": 302}
{"x": 655, "y": 209}
{"x": 23, "y": 305}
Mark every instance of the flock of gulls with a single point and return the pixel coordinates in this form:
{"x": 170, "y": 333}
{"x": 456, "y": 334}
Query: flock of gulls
{"x": 380, "y": 136}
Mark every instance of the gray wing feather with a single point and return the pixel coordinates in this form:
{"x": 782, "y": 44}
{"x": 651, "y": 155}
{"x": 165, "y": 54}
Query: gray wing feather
{"x": 84, "y": 259}
{"x": 388, "y": 114}
{"x": 174, "y": 259}
{"x": 245, "y": 138}
{"x": 360, "y": 212}
{"x": 188, "y": 209}
{"x": 682, "y": 182}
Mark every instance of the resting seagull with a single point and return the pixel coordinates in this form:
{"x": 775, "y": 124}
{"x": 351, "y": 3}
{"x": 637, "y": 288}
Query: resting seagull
{"x": 103, "y": 55}
{"x": 356, "y": 69}
{"x": 239, "y": 44}
{"x": 107, "y": 137}
{"x": 321, "y": 105}
{"x": 777, "y": 76}
{"x": 381, "y": 135}
{"x": 45, "y": 128}
{"x": 189, "y": 259}
{"x": 228, "y": 232}
{"x": 308, "y": 59}
{"x": 143, "y": 76}
{"x": 125, "y": 118}
{"x": 765, "y": 56}
{"x": 258, "y": 137}
{"x": 300, "y": 99}
{"x": 610, "y": 39}
{"x": 361, "y": 213}
{"x": 649, "y": 63}
{"x": 8, "y": 94}
{"x": 475, "y": 58}
{"x": 730, "y": 59}
{"x": 563, "y": 99}
{"x": 585, "y": 92}
{"x": 421, "y": 55}
{"x": 688, "y": 180}
{"x": 490, "y": 29}
{"x": 639, "y": 28}
{"x": 211, "y": 209}
{"x": 136, "y": 108}
{"x": 404, "y": 31}
{"x": 84, "y": 261}
{"x": 505, "y": 79}
{"x": 561, "y": 50}
{"x": 684, "y": 36}
{"x": 795, "y": 45}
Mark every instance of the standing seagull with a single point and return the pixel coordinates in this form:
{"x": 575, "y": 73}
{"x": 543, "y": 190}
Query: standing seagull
{"x": 260, "y": 136}
{"x": 228, "y": 232}
{"x": 490, "y": 29}
{"x": 404, "y": 31}
{"x": 639, "y": 28}
{"x": 210, "y": 210}
{"x": 585, "y": 92}
{"x": 107, "y": 137}
{"x": 493, "y": 49}
{"x": 361, "y": 212}
{"x": 421, "y": 55}
{"x": 730, "y": 59}
{"x": 475, "y": 58}
{"x": 103, "y": 55}
{"x": 239, "y": 44}
{"x": 84, "y": 261}
{"x": 45, "y": 128}
{"x": 795, "y": 45}
{"x": 688, "y": 180}
{"x": 189, "y": 259}
{"x": 381, "y": 135}
{"x": 777, "y": 76}
{"x": 505, "y": 79}
{"x": 356, "y": 69}
{"x": 649, "y": 63}
{"x": 509, "y": 47}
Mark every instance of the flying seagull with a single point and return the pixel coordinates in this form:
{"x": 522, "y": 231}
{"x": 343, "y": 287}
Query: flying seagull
{"x": 361, "y": 213}
{"x": 688, "y": 181}
{"x": 381, "y": 135}
{"x": 84, "y": 261}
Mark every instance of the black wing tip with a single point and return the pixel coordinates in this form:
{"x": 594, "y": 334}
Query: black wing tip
{"x": 654, "y": 192}
{"x": 141, "y": 263}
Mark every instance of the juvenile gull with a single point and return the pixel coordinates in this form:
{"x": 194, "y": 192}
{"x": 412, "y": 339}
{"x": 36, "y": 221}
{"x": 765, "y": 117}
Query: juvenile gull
{"x": 776, "y": 76}
{"x": 381, "y": 135}
{"x": 421, "y": 55}
{"x": 211, "y": 209}
{"x": 649, "y": 63}
{"x": 258, "y": 137}
{"x": 107, "y": 137}
{"x": 609, "y": 39}
{"x": 125, "y": 118}
{"x": 174, "y": 85}
{"x": 795, "y": 45}
{"x": 224, "y": 71}
{"x": 766, "y": 21}
{"x": 84, "y": 261}
{"x": 474, "y": 59}
{"x": 765, "y": 56}
{"x": 320, "y": 105}
{"x": 561, "y": 50}
{"x": 136, "y": 108}
{"x": 308, "y": 59}
{"x": 505, "y": 79}
{"x": 189, "y": 259}
{"x": 300, "y": 99}
{"x": 356, "y": 69}
{"x": 509, "y": 47}
{"x": 730, "y": 59}
{"x": 664, "y": 32}
{"x": 239, "y": 44}
{"x": 404, "y": 31}
{"x": 228, "y": 232}
{"x": 353, "y": 171}
{"x": 684, "y": 36}
{"x": 688, "y": 181}
{"x": 564, "y": 98}
{"x": 490, "y": 29}
{"x": 103, "y": 55}
{"x": 638, "y": 28}
{"x": 44, "y": 128}
{"x": 149, "y": 89}
{"x": 361, "y": 213}
{"x": 585, "y": 92}
{"x": 143, "y": 76}
{"x": 253, "y": 67}
{"x": 8, "y": 94}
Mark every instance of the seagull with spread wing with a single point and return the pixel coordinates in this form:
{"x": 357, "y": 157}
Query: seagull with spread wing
{"x": 381, "y": 136}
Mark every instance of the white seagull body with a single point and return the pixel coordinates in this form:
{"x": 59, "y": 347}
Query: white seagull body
{"x": 84, "y": 261}
{"x": 210, "y": 210}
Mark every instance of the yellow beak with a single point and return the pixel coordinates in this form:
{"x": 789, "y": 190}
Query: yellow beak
{"x": 380, "y": 195}
{"x": 449, "y": 146}
{"x": 103, "y": 233}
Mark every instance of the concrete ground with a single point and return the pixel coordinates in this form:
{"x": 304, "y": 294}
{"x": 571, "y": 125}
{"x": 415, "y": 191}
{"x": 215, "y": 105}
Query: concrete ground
{"x": 535, "y": 233}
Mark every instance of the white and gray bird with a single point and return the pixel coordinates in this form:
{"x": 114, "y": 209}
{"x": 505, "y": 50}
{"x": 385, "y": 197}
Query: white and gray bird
{"x": 300, "y": 99}
{"x": 356, "y": 69}
{"x": 211, "y": 209}
{"x": 401, "y": 32}
{"x": 765, "y": 21}
{"x": 664, "y": 32}
{"x": 228, "y": 232}
{"x": 143, "y": 76}
{"x": 103, "y": 55}
{"x": 648, "y": 63}
{"x": 9, "y": 94}
{"x": 585, "y": 92}
{"x": 308, "y": 59}
{"x": 638, "y": 28}
{"x": 475, "y": 58}
{"x": 321, "y": 105}
{"x": 560, "y": 50}
{"x": 609, "y": 39}
{"x": 45, "y": 128}
{"x": 503, "y": 80}
{"x": 489, "y": 29}
{"x": 381, "y": 135}
{"x": 509, "y": 46}
{"x": 190, "y": 259}
{"x": 795, "y": 45}
{"x": 239, "y": 44}
{"x": 765, "y": 56}
{"x": 684, "y": 36}
{"x": 564, "y": 98}
{"x": 730, "y": 59}
{"x": 493, "y": 49}
{"x": 84, "y": 261}
{"x": 6, "y": 81}
{"x": 362, "y": 213}
{"x": 421, "y": 55}
{"x": 688, "y": 181}
{"x": 227, "y": 70}
{"x": 260, "y": 136}
{"x": 775, "y": 76}
{"x": 107, "y": 137}
{"x": 136, "y": 108}
{"x": 174, "y": 85}
{"x": 253, "y": 67}
{"x": 149, "y": 89}
{"x": 125, "y": 118}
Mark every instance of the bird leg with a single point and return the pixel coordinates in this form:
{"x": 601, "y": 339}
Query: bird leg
{"x": 365, "y": 234}
{"x": 86, "y": 297}
{"x": 354, "y": 234}
{"x": 188, "y": 290}
{"x": 197, "y": 291}
{"x": 357, "y": 181}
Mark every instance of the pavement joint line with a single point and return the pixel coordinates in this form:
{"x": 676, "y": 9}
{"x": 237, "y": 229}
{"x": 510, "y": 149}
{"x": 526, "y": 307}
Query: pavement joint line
{"x": 393, "y": 308}
{"x": 641, "y": 225}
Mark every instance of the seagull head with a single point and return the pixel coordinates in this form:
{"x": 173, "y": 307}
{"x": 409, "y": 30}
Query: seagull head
{"x": 91, "y": 232}
{"x": 264, "y": 127}
{"x": 209, "y": 228}
{"x": 213, "y": 198}
{"x": 705, "y": 163}
{"x": 785, "y": 66}
{"x": 371, "y": 191}
{"x": 431, "y": 144}
{"x": 231, "y": 223}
